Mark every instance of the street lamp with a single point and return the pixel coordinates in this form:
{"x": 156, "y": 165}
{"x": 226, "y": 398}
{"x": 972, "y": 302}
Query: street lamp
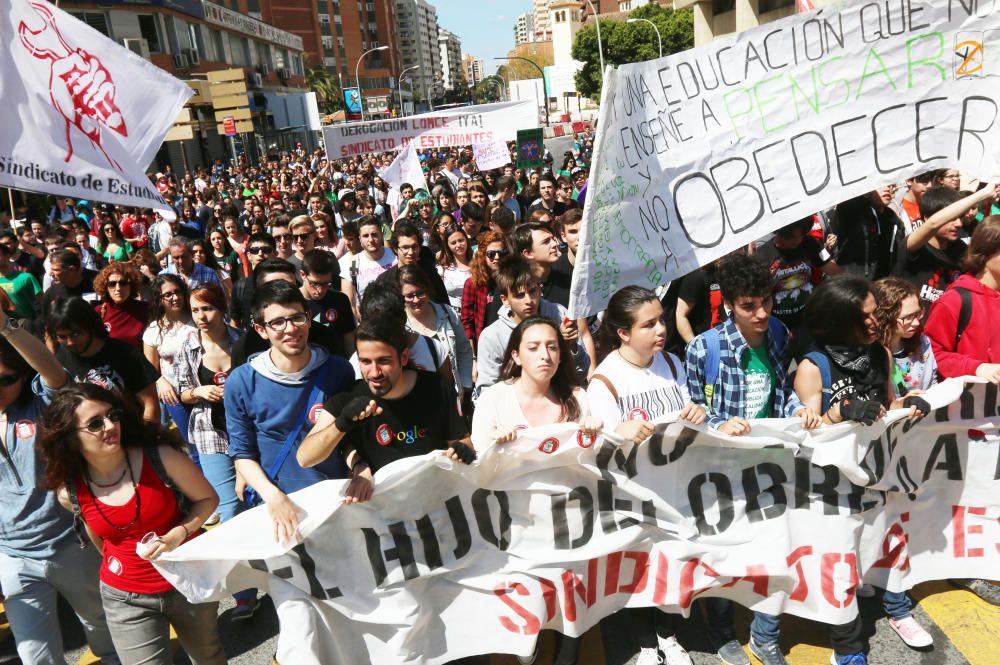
{"x": 540, "y": 71}
{"x": 399, "y": 88}
{"x": 600, "y": 47}
{"x": 659, "y": 40}
{"x": 357, "y": 77}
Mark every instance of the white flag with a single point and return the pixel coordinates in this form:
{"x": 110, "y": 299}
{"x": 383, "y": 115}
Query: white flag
{"x": 404, "y": 169}
{"x": 84, "y": 115}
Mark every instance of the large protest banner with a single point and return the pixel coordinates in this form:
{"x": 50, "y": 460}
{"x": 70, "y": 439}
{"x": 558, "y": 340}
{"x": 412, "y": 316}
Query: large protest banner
{"x": 84, "y": 115}
{"x": 556, "y": 530}
{"x": 704, "y": 151}
{"x": 460, "y": 126}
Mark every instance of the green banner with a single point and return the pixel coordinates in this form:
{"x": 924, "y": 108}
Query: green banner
{"x": 530, "y": 149}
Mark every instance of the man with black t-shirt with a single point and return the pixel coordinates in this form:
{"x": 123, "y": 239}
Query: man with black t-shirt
{"x": 69, "y": 279}
{"x": 90, "y": 356}
{"x": 795, "y": 259}
{"x": 934, "y": 251}
{"x": 698, "y": 307}
{"x": 328, "y": 306}
{"x": 395, "y": 412}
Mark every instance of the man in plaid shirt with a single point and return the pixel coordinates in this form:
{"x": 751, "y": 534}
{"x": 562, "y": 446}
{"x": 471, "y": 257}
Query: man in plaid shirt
{"x": 751, "y": 382}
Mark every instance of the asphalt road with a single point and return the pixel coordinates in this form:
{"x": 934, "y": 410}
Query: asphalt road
{"x": 965, "y": 630}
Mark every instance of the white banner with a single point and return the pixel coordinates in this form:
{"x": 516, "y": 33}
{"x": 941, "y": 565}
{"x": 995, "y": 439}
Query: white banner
{"x": 460, "y": 126}
{"x": 556, "y": 531}
{"x": 491, "y": 155}
{"x": 704, "y": 151}
{"x": 84, "y": 115}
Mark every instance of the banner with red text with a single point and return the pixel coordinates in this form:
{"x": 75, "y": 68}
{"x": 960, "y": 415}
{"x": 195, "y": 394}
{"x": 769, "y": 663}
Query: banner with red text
{"x": 84, "y": 115}
{"x": 556, "y": 530}
{"x": 702, "y": 152}
{"x": 465, "y": 125}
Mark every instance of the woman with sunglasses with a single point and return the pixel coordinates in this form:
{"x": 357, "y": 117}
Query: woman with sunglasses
{"x": 123, "y": 314}
{"x": 454, "y": 263}
{"x": 94, "y": 444}
{"x": 202, "y": 366}
{"x": 170, "y": 324}
{"x": 480, "y": 303}
{"x": 110, "y": 243}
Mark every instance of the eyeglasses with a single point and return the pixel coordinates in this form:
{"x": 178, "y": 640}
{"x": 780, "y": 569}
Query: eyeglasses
{"x": 96, "y": 425}
{"x": 415, "y": 296}
{"x": 494, "y": 254}
{"x": 259, "y": 250}
{"x": 9, "y": 379}
{"x": 318, "y": 285}
{"x": 910, "y": 318}
{"x": 301, "y": 237}
{"x": 284, "y": 237}
{"x": 279, "y": 324}
{"x": 75, "y": 334}
{"x": 115, "y": 283}
{"x": 171, "y": 294}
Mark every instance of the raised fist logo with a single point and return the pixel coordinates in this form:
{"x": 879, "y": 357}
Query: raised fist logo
{"x": 80, "y": 86}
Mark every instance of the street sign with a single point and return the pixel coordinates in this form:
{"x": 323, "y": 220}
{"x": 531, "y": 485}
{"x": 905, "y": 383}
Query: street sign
{"x": 229, "y": 126}
{"x": 180, "y": 133}
{"x": 235, "y": 114}
{"x": 235, "y": 74}
{"x": 530, "y": 149}
{"x": 243, "y": 127}
{"x": 229, "y": 102}
{"x": 225, "y": 89}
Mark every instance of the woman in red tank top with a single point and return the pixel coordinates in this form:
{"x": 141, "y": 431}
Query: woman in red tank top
{"x": 94, "y": 444}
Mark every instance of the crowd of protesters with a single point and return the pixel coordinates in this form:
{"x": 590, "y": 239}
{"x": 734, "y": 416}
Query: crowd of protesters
{"x": 157, "y": 375}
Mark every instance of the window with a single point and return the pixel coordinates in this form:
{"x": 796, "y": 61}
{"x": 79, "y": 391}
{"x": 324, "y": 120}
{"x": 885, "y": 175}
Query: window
{"x": 220, "y": 49}
{"x": 253, "y": 6}
{"x": 96, "y": 20}
{"x": 771, "y": 5}
{"x": 723, "y": 6}
{"x": 263, "y": 54}
{"x": 149, "y": 30}
{"x": 194, "y": 34}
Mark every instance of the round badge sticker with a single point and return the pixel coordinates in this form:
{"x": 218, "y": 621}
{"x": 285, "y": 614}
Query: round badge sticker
{"x": 585, "y": 440}
{"x": 521, "y": 427}
{"x": 638, "y": 414}
{"x": 549, "y": 446}
{"x": 24, "y": 429}
{"x": 115, "y": 566}
{"x": 220, "y": 378}
{"x": 384, "y": 435}
{"x": 313, "y": 412}
{"x": 331, "y": 315}
{"x": 107, "y": 326}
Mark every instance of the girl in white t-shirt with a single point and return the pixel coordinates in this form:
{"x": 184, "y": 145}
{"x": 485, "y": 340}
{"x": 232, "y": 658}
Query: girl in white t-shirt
{"x": 169, "y": 326}
{"x": 538, "y": 386}
{"x": 633, "y": 387}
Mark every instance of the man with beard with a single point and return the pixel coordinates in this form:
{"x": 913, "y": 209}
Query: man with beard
{"x": 395, "y": 412}
{"x": 269, "y": 399}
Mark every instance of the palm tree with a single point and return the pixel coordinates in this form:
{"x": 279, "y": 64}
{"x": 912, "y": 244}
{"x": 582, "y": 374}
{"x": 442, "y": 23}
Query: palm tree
{"x": 328, "y": 95}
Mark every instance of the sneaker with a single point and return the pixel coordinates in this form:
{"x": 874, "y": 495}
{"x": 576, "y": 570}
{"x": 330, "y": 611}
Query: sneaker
{"x": 648, "y": 656}
{"x": 528, "y": 660}
{"x": 212, "y": 520}
{"x": 853, "y": 659}
{"x": 673, "y": 652}
{"x": 986, "y": 590}
{"x": 245, "y": 609}
{"x": 911, "y": 632}
{"x": 865, "y": 591}
{"x": 769, "y": 654}
{"x": 731, "y": 653}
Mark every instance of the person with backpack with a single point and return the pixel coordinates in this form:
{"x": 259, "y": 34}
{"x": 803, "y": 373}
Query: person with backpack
{"x": 126, "y": 481}
{"x": 634, "y": 386}
{"x": 738, "y": 371}
{"x": 962, "y": 328}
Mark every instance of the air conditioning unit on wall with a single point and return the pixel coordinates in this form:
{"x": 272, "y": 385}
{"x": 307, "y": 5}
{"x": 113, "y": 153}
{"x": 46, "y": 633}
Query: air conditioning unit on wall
{"x": 138, "y": 46}
{"x": 181, "y": 61}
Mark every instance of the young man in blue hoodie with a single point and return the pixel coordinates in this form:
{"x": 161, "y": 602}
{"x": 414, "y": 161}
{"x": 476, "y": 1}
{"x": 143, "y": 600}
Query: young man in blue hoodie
{"x": 271, "y": 403}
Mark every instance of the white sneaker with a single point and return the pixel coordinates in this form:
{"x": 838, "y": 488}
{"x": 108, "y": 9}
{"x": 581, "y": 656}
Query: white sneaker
{"x": 648, "y": 656}
{"x": 212, "y": 520}
{"x": 911, "y": 632}
{"x": 865, "y": 591}
{"x": 673, "y": 652}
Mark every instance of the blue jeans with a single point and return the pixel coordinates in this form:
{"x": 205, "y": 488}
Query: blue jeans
{"x": 897, "y": 604}
{"x": 30, "y": 587}
{"x": 764, "y": 629}
{"x": 221, "y": 475}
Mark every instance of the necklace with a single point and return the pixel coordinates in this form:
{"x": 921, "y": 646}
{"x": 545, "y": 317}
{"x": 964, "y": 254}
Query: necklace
{"x": 636, "y": 365}
{"x": 117, "y": 480}
{"x": 97, "y": 503}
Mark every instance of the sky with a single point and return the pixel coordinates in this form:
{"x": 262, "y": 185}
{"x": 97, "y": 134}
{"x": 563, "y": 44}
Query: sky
{"x": 486, "y": 27}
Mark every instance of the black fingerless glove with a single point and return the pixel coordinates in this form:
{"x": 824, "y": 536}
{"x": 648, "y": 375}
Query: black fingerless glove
{"x": 915, "y": 400}
{"x": 864, "y": 411}
{"x": 345, "y": 422}
{"x": 466, "y": 454}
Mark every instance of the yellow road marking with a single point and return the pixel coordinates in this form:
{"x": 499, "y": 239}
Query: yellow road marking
{"x": 89, "y": 658}
{"x": 969, "y": 623}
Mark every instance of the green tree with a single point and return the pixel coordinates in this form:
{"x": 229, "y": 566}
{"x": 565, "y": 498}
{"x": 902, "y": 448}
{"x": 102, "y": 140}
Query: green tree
{"x": 630, "y": 42}
{"x": 329, "y": 97}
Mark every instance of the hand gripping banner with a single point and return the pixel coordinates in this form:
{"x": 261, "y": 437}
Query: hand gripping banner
{"x": 556, "y": 530}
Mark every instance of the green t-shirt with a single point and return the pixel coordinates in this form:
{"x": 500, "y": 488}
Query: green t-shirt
{"x": 759, "y": 375}
{"x": 23, "y": 290}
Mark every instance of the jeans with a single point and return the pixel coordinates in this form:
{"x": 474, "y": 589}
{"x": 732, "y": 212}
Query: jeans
{"x": 766, "y": 628}
{"x": 180, "y": 414}
{"x": 30, "y": 587}
{"x": 897, "y": 604}
{"x": 140, "y": 627}
{"x": 221, "y": 474}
